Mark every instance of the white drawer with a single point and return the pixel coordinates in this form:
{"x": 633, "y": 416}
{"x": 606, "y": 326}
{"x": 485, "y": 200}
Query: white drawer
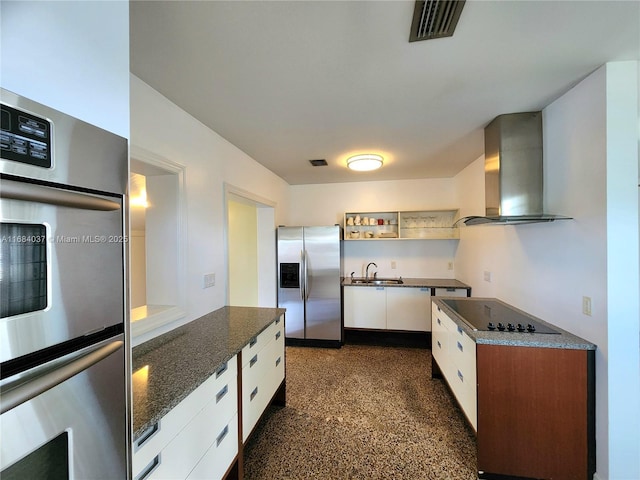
{"x": 260, "y": 341}
{"x": 461, "y": 346}
{"x": 451, "y": 292}
{"x": 220, "y": 455}
{"x": 261, "y": 377}
{"x": 442, "y": 321}
{"x": 463, "y": 379}
{"x": 439, "y": 344}
{"x": 186, "y": 449}
{"x": 147, "y": 447}
{"x": 254, "y": 393}
{"x": 274, "y": 368}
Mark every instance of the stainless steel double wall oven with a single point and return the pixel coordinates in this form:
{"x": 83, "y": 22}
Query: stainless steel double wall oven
{"x": 62, "y": 296}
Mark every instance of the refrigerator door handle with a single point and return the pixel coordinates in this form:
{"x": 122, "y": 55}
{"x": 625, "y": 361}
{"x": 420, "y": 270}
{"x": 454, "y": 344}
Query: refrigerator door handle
{"x": 306, "y": 277}
{"x": 49, "y": 379}
{"x": 303, "y": 273}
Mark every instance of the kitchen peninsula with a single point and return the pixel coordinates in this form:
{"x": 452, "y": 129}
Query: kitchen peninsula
{"x": 527, "y": 387}
{"x": 199, "y": 390}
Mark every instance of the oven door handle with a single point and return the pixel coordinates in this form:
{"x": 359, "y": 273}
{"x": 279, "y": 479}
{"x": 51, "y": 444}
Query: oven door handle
{"x": 31, "y": 192}
{"x": 45, "y": 380}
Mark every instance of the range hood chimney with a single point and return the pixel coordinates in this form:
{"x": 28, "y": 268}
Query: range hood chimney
{"x": 513, "y": 171}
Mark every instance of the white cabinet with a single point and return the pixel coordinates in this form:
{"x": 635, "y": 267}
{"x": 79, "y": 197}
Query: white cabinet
{"x": 419, "y": 224}
{"x": 455, "y": 353}
{"x": 199, "y": 438}
{"x": 387, "y": 308}
{"x": 365, "y": 307}
{"x": 451, "y": 292}
{"x": 174, "y": 446}
{"x": 409, "y": 309}
{"x": 442, "y": 327}
{"x": 220, "y": 455}
{"x": 262, "y": 373}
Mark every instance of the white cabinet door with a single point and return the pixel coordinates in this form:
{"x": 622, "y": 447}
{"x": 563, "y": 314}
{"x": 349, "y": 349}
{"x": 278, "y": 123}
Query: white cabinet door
{"x": 262, "y": 374}
{"x": 440, "y": 341}
{"x": 365, "y": 307}
{"x": 409, "y": 309}
{"x": 451, "y": 292}
{"x": 463, "y": 382}
{"x": 220, "y": 455}
{"x": 455, "y": 353}
{"x": 215, "y": 400}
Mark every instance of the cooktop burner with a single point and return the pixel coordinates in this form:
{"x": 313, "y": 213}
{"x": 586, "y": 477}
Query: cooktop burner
{"x": 492, "y": 316}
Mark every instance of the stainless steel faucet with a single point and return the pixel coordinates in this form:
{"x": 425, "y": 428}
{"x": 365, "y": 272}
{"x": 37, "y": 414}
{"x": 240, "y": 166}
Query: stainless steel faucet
{"x": 366, "y": 275}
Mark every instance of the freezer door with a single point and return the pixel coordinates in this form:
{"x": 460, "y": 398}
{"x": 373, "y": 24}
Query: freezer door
{"x": 290, "y": 278}
{"x": 322, "y": 283}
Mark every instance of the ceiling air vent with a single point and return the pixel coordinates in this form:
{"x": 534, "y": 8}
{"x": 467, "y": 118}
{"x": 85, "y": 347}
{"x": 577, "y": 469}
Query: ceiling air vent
{"x": 318, "y": 163}
{"x": 435, "y": 19}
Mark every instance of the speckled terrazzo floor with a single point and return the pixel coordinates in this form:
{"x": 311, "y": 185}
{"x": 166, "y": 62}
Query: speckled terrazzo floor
{"x": 362, "y": 412}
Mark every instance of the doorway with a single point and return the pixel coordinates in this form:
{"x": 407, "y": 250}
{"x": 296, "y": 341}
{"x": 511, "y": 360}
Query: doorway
{"x": 251, "y": 249}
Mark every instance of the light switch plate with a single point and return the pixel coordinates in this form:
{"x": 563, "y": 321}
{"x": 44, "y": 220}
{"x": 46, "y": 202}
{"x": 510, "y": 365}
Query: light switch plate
{"x": 209, "y": 280}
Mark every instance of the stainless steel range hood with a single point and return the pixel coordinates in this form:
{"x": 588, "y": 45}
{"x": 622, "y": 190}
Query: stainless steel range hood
{"x": 513, "y": 171}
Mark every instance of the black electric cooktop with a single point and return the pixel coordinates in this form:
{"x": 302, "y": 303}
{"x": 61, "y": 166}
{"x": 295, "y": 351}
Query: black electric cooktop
{"x": 492, "y": 316}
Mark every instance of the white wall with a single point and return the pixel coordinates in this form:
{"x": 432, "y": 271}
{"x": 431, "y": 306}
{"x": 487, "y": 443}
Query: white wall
{"x": 72, "y": 56}
{"x": 326, "y": 204}
{"x": 590, "y": 151}
{"x": 159, "y": 126}
{"x": 138, "y": 268}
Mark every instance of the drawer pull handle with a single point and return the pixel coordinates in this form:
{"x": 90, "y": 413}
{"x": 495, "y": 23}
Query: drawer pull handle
{"x": 146, "y": 471}
{"x": 439, "y": 345}
{"x": 222, "y": 369}
{"x": 222, "y": 393}
{"x": 439, "y": 309}
{"x": 253, "y": 341}
{"x": 460, "y": 347}
{"x": 278, "y": 360}
{"x": 450, "y": 289}
{"x": 278, "y": 320}
{"x": 278, "y": 335}
{"x": 147, "y": 434}
{"x": 460, "y": 376}
{"x": 379, "y": 288}
{"x": 439, "y": 322}
{"x": 253, "y": 394}
{"x": 460, "y": 330}
{"x": 424, "y": 289}
{"x": 223, "y": 434}
{"x": 253, "y": 361}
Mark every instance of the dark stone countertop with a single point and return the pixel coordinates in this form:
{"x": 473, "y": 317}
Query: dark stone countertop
{"x": 414, "y": 283}
{"x": 564, "y": 340}
{"x": 179, "y": 361}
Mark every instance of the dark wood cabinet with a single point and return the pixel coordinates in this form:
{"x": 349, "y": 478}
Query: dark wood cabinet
{"x": 535, "y": 412}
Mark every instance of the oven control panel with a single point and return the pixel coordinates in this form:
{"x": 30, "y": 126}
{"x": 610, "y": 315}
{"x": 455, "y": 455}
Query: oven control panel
{"x": 26, "y": 138}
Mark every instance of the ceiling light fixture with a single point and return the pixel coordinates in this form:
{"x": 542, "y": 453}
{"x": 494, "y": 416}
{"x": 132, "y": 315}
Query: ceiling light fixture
{"x": 364, "y": 163}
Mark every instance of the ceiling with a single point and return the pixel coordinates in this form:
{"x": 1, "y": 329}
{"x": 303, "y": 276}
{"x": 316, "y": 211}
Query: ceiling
{"x": 291, "y": 81}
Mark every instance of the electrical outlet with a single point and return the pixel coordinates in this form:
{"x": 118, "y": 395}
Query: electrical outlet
{"x": 393, "y": 265}
{"x": 450, "y": 265}
{"x": 586, "y": 305}
{"x": 209, "y": 280}
{"x": 487, "y": 276}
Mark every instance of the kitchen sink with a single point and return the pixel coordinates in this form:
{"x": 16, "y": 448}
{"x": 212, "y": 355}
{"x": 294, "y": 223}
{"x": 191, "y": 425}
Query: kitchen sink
{"x": 377, "y": 281}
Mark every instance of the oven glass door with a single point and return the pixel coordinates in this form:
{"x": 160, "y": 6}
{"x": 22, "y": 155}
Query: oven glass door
{"x": 61, "y": 265}
{"x": 77, "y": 428}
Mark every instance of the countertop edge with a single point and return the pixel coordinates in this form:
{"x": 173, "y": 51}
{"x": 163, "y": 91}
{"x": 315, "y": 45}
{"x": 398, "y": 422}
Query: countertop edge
{"x": 566, "y": 340}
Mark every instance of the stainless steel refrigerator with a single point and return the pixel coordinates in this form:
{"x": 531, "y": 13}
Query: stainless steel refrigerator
{"x": 309, "y": 272}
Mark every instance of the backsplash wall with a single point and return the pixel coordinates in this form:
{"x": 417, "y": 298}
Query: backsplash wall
{"x": 325, "y": 204}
